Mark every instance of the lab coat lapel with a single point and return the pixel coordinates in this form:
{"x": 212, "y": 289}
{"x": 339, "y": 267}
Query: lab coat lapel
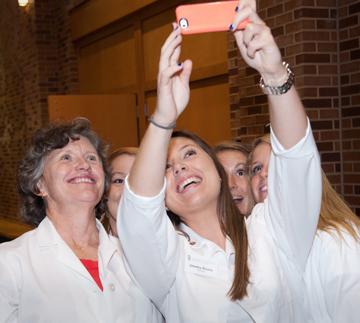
{"x": 48, "y": 237}
{"x": 107, "y": 249}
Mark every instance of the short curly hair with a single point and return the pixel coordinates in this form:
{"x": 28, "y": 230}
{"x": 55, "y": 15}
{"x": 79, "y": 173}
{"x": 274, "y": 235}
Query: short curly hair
{"x": 31, "y": 166}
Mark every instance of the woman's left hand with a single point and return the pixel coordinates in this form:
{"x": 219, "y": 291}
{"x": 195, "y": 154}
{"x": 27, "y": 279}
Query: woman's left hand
{"x": 173, "y": 80}
{"x": 257, "y": 45}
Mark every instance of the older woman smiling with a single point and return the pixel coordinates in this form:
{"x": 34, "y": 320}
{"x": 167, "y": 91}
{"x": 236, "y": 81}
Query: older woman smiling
{"x": 68, "y": 269}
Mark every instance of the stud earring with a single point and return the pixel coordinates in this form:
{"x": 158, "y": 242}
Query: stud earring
{"x": 167, "y": 209}
{"x": 43, "y": 196}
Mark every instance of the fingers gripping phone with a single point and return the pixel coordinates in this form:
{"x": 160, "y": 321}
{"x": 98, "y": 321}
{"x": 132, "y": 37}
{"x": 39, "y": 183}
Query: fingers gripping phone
{"x": 207, "y": 17}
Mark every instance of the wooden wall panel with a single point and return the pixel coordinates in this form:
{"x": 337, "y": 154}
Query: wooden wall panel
{"x": 207, "y": 113}
{"x": 123, "y": 57}
{"x": 205, "y": 49}
{"x": 155, "y": 31}
{"x": 101, "y": 13}
{"x": 108, "y": 64}
{"x": 113, "y": 116}
{"x": 13, "y": 230}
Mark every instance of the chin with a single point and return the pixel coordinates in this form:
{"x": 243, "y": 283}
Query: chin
{"x": 93, "y": 199}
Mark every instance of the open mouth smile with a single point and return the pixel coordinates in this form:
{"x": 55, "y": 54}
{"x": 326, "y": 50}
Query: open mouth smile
{"x": 238, "y": 199}
{"x": 78, "y": 180}
{"x": 263, "y": 189}
{"x": 187, "y": 183}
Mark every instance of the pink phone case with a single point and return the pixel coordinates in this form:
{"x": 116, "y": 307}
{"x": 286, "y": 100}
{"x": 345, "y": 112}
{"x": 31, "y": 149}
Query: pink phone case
{"x": 207, "y": 17}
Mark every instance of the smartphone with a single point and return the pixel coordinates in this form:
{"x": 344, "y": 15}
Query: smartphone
{"x": 207, "y": 17}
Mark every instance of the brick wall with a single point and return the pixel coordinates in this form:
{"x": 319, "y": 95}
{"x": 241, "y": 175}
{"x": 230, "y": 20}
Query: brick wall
{"x": 37, "y": 59}
{"x": 12, "y": 107}
{"x": 320, "y": 40}
{"x": 349, "y": 36}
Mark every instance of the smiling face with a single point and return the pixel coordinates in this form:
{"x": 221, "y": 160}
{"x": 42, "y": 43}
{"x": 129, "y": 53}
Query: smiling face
{"x": 120, "y": 169}
{"x": 193, "y": 182}
{"x": 234, "y": 163}
{"x": 72, "y": 175}
{"x": 259, "y": 171}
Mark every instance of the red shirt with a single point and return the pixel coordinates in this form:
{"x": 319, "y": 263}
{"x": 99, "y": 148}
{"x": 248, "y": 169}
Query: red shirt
{"x": 93, "y": 268}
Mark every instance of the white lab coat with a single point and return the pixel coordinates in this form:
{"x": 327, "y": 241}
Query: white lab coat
{"x": 332, "y": 279}
{"x": 42, "y": 280}
{"x": 160, "y": 258}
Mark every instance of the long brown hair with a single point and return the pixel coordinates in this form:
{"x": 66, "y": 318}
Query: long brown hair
{"x": 232, "y": 222}
{"x": 245, "y": 149}
{"x": 132, "y": 151}
{"x": 335, "y": 215}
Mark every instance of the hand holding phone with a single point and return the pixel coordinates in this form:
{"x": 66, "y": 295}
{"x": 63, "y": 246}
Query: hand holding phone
{"x": 207, "y": 17}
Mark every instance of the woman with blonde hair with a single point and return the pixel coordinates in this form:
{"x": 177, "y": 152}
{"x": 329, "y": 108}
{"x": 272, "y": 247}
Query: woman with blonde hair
{"x": 332, "y": 273}
{"x": 120, "y": 162}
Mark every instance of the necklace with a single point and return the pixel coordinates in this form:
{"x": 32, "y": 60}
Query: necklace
{"x": 83, "y": 248}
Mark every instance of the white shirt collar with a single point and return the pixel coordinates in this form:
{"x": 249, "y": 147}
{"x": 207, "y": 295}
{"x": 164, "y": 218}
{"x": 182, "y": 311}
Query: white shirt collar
{"x": 197, "y": 242}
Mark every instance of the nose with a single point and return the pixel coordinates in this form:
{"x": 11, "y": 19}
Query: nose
{"x": 84, "y": 165}
{"x": 232, "y": 182}
{"x": 264, "y": 172}
{"x": 179, "y": 167}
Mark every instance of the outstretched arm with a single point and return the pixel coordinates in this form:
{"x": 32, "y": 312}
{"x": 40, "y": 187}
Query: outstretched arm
{"x": 148, "y": 238}
{"x": 259, "y": 50}
{"x": 147, "y": 174}
{"x": 294, "y": 184}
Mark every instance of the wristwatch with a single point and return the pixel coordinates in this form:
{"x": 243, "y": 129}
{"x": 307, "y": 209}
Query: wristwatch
{"x": 278, "y": 90}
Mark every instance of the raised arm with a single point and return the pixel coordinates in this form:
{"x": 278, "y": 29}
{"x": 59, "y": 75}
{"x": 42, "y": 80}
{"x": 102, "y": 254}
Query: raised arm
{"x": 148, "y": 238}
{"x": 147, "y": 174}
{"x": 294, "y": 184}
{"x": 259, "y": 50}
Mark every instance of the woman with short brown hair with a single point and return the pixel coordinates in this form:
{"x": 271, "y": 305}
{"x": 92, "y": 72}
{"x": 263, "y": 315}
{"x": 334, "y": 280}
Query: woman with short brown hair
{"x": 68, "y": 269}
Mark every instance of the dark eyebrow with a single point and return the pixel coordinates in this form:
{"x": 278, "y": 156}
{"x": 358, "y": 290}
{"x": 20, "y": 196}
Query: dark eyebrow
{"x": 117, "y": 173}
{"x": 184, "y": 147}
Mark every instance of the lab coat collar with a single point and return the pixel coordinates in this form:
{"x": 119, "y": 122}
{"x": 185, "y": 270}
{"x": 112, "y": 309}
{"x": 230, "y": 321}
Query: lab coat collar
{"x": 197, "y": 242}
{"x": 48, "y": 237}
